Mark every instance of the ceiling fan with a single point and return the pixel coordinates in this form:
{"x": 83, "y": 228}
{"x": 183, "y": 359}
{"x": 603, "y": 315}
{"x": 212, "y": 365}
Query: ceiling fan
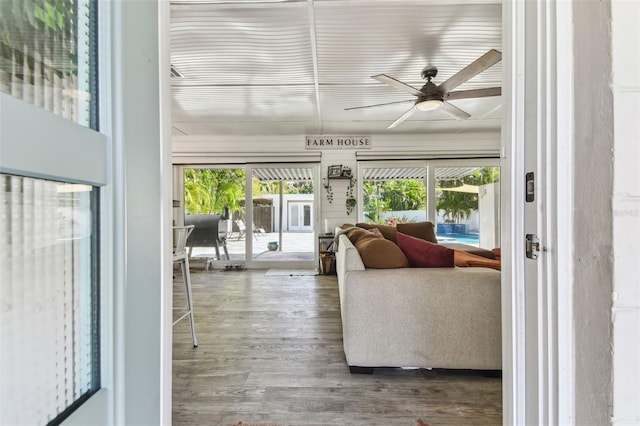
{"x": 431, "y": 97}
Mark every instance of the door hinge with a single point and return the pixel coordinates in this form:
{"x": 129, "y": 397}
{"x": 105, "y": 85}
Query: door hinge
{"x": 532, "y": 246}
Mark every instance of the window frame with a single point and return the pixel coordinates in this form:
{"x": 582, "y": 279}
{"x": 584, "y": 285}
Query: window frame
{"x": 59, "y": 149}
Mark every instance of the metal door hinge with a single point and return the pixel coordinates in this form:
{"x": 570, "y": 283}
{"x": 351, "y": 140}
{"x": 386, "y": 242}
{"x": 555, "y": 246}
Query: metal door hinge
{"x": 533, "y": 246}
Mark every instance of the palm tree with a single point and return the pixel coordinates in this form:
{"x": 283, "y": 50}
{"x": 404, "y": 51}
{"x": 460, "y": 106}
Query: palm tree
{"x": 208, "y": 191}
{"x": 457, "y": 206}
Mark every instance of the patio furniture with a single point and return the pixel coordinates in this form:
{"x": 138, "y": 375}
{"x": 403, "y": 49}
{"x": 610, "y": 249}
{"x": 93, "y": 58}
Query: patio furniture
{"x": 242, "y": 229}
{"x": 180, "y": 236}
{"x": 211, "y": 230}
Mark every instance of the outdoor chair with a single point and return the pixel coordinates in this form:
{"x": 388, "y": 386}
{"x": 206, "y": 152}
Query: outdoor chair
{"x": 180, "y": 255}
{"x": 242, "y": 229}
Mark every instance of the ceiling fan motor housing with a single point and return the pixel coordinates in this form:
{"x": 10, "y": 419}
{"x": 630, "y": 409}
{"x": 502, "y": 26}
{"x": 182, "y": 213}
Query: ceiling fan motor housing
{"x": 429, "y": 92}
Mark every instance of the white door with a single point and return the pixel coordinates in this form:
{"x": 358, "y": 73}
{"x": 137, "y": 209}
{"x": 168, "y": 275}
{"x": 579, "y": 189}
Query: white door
{"x": 300, "y": 216}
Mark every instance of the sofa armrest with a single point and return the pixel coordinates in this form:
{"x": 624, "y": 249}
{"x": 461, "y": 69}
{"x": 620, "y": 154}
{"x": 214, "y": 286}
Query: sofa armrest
{"x": 347, "y": 257}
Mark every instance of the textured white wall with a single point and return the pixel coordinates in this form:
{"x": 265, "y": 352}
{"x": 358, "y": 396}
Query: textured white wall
{"x": 593, "y": 177}
{"x": 626, "y": 212}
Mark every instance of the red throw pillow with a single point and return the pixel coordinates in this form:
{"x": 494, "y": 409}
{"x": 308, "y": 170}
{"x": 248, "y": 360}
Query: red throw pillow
{"x": 423, "y": 254}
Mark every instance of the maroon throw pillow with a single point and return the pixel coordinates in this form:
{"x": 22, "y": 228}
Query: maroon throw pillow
{"x": 424, "y": 254}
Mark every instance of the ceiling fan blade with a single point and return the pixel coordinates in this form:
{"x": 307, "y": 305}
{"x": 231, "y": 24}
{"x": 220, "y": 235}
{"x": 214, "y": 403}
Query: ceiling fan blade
{"x": 484, "y": 62}
{"x": 377, "y": 105}
{"x": 454, "y": 111}
{"x": 402, "y": 118}
{"x": 383, "y": 78}
{"x": 474, "y": 93}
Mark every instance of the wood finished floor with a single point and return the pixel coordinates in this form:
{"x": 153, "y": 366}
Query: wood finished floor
{"x": 270, "y": 353}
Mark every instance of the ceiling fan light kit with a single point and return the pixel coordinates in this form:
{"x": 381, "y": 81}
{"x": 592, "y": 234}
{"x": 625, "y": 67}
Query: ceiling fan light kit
{"x": 432, "y": 97}
{"x": 429, "y": 104}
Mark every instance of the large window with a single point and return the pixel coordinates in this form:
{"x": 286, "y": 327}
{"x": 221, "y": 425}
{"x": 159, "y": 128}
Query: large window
{"x": 50, "y": 302}
{"x": 49, "y": 357}
{"x": 48, "y": 56}
{"x": 460, "y": 197}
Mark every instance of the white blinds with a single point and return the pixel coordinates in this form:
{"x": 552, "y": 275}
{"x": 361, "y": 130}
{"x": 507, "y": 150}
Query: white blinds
{"x": 46, "y": 56}
{"x": 48, "y": 304}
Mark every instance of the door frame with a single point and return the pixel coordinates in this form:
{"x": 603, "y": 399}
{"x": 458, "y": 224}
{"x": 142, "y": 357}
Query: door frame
{"x": 538, "y": 385}
{"x": 252, "y": 263}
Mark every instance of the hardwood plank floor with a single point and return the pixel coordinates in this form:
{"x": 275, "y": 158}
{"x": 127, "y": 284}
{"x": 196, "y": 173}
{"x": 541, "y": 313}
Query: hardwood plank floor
{"x": 270, "y": 353}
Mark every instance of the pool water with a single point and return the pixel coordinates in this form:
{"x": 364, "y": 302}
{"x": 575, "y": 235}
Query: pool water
{"x": 472, "y": 239}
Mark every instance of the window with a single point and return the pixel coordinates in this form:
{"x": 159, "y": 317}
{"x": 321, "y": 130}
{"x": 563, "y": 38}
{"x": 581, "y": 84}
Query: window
{"x": 49, "y": 235}
{"x": 49, "y": 356}
{"x": 48, "y": 56}
{"x": 461, "y": 197}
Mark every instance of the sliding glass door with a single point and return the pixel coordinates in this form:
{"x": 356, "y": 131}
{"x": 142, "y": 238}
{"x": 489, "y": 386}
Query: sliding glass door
{"x": 460, "y": 197}
{"x": 394, "y": 192}
{"x": 468, "y": 205}
{"x": 269, "y": 211}
{"x": 214, "y": 201}
{"x": 284, "y": 215}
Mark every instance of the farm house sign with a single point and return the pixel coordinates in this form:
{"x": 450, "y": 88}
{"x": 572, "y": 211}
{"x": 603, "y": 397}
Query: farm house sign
{"x": 337, "y": 142}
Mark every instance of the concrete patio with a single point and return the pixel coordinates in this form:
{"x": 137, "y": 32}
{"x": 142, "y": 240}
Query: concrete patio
{"x": 295, "y": 246}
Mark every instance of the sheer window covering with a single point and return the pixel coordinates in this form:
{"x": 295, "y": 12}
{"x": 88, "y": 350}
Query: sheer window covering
{"x": 49, "y": 288}
{"x": 48, "y": 292}
{"x": 48, "y": 56}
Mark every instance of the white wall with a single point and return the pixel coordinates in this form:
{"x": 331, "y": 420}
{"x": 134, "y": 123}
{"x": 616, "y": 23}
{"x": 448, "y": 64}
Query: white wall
{"x": 593, "y": 159}
{"x": 626, "y": 212}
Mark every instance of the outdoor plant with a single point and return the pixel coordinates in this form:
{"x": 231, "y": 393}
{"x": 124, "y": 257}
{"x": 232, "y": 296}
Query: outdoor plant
{"x": 457, "y": 206}
{"x": 208, "y": 191}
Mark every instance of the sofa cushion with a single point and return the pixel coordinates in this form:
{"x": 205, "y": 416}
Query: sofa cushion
{"x": 375, "y": 251}
{"x": 388, "y": 232}
{"x": 422, "y": 230}
{"x": 424, "y": 254}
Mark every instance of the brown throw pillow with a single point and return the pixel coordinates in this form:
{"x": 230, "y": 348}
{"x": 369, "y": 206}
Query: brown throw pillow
{"x": 389, "y": 232}
{"x": 422, "y": 230}
{"x": 357, "y": 234}
{"x": 380, "y": 253}
{"x": 424, "y": 254}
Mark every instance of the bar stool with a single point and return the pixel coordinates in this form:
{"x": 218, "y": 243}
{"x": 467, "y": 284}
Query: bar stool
{"x": 180, "y": 235}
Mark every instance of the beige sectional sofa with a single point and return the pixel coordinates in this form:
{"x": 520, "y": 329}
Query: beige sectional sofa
{"x": 418, "y": 317}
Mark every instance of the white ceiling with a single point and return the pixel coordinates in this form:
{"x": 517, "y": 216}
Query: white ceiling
{"x": 292, "y": 67}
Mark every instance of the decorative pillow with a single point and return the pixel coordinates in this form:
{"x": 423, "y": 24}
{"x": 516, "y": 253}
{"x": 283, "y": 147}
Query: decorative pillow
{"x": 422, "y": 230}
{"x": 377, "y": 232}
{"x": 380, "y": 253}
{"x": 424, "y": 254}
{"x": 357, "y": 234}
{"x": 389, "y": 232}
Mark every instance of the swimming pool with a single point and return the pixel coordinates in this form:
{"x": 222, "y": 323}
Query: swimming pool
{"x": 472, "y": 239}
